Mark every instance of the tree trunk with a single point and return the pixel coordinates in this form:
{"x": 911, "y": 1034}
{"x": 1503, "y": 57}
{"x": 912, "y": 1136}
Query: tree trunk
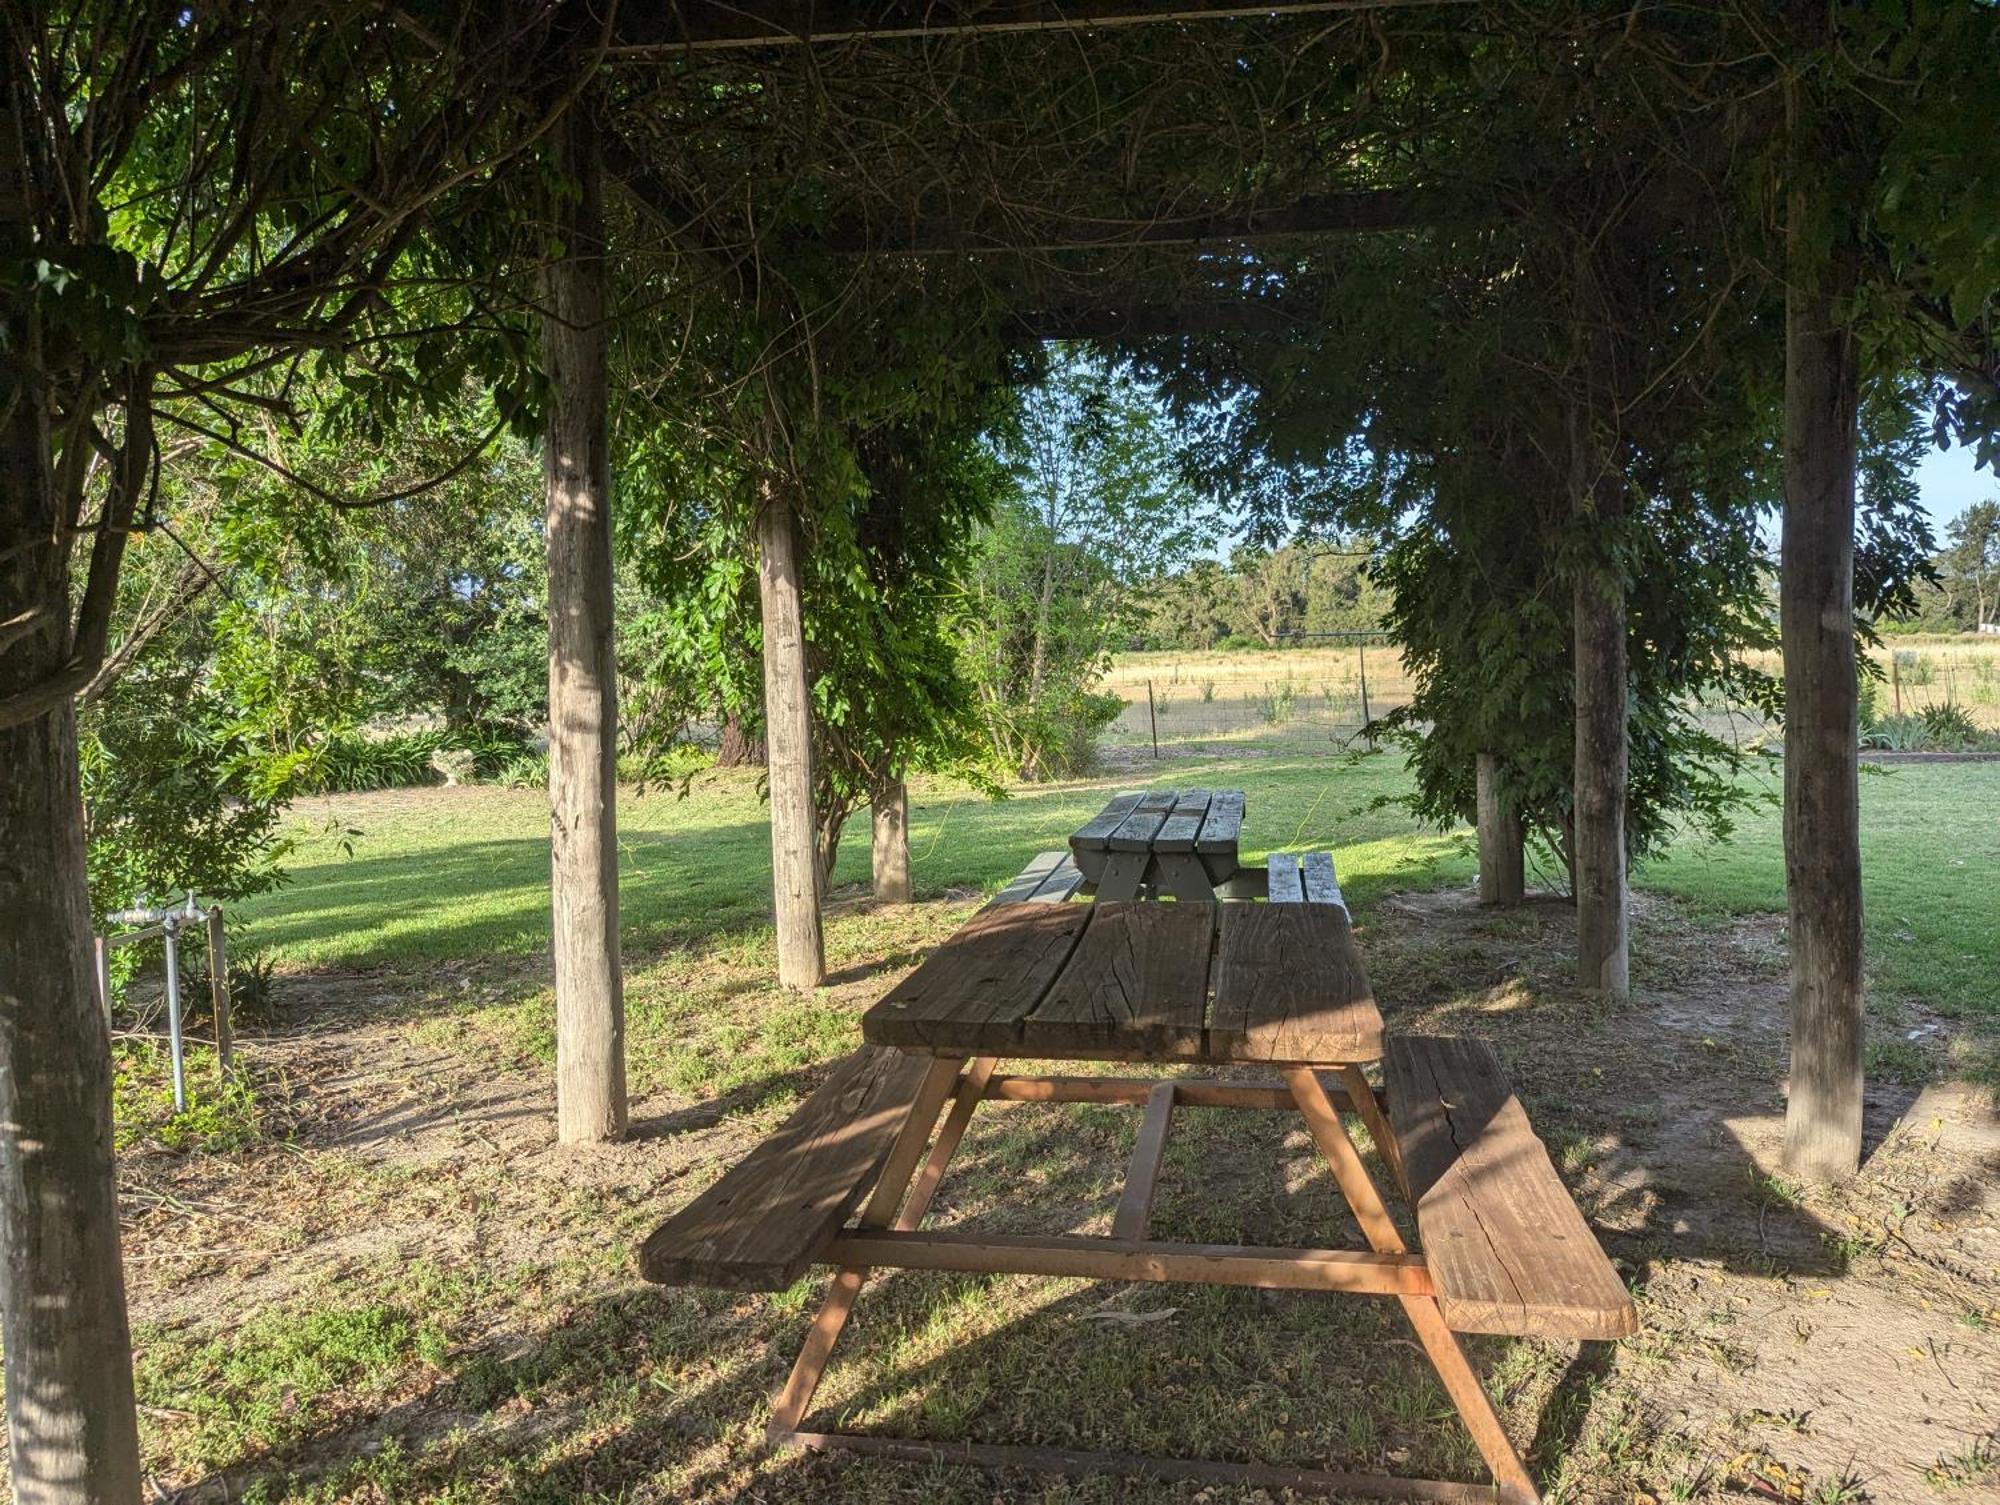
{"x": 739, "y": 749}
{"x": 1501, "y": 879}
{"x": 1602, "y": 945}
{"x": 795, "y": 879}
{"x": 1822, "y": 799}
{"x": 891, "y": 812}
{"x": 70, "y": 1420}
{"x": 583, "y": 706}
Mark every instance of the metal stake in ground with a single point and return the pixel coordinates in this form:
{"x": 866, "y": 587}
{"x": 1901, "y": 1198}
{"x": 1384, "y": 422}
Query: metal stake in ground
{"x": 1152, "y": 718}
{"x": 171, "y": 925}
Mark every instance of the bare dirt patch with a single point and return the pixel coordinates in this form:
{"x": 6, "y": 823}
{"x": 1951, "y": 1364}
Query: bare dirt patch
{"x": 1828, "y": 1346}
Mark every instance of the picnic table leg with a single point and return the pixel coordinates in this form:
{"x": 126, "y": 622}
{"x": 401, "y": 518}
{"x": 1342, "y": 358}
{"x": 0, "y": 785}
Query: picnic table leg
{"x": 789, "y": 1406}
{"x": 1363, "y": 1097}
{"x": 1440, "y": 1343}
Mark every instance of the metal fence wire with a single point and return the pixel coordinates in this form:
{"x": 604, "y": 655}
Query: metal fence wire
{"x": 1315, "y": 695}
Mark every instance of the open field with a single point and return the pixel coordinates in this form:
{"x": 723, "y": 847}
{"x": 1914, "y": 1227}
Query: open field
{"x": 1309, "y": 698}
{"x": 385, "y": 1282}
{"x": 1215, "y": 702}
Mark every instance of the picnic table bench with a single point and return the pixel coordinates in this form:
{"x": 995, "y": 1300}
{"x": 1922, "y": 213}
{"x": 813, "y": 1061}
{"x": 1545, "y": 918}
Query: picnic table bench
{"x": 1502, "y": 1247}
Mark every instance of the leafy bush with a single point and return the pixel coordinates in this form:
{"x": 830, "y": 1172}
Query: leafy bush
{"x": 350, "y": 763}
{"x": 174, "y": 796}
{"x": 528, "y": 770}
{"x": 1905, "y": 733}
{"x": 1950, "y": 729}
{"x": 355, "y": 763}
{"x": 1936, "y": 728}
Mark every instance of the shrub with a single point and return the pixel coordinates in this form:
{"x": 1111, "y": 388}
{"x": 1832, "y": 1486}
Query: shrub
{"x": 349, "y": 763}
{"x": 1905, "y": 733}
{"x": 1914, "y": 668}
{"x": 1276, "y": 704}
{"x": 1949, "y": 728}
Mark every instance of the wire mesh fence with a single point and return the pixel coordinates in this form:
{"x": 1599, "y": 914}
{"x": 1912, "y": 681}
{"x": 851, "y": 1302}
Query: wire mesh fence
{"x": 1312, "y": 697}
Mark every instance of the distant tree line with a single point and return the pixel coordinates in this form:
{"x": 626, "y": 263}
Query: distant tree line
{"x": 1965, "y": 589}
{"x": 1262, "y": 597}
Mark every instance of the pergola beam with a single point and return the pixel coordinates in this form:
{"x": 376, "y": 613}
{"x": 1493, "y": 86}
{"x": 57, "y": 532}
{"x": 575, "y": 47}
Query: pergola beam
{"x": 704, "y": 26}
{"x": 1360, "y": 212}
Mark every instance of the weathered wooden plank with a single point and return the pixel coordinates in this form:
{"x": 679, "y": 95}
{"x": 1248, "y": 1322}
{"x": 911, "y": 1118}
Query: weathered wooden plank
{"x": 1316, "y": 871}
{"x": 772, "y": 1214}
{"x": 1286, "y": 885}
{"x": 972, "y": 993}
{"x": 1137, "y": 1259}
{"x": 1507, "y": 1247}
{"x": 1136, "y": 832}
{"x": 1088, "y": 842}
{"x": 1178, "y": 831}
{"x": 1091, "y": 837}
{"x": 1222, "y": 826}
{"x": 1149, "y": 1153}
{"x": 1025, "y": 883}
{"x": 1059, "y": 884}
{"x": 1290, "y": 987}
{"x": 1138, "y": 980}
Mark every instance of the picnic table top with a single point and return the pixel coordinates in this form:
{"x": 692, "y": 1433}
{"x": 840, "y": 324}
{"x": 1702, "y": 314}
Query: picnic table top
{"x": 1165, "y": 820}
{"x": 1113, "y": 980}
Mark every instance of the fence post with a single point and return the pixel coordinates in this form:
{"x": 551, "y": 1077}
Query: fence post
{"x": 218, "y": 991}
{"x": 1895, "y": 682}
{"x": 1152, "y": 718}
{"x": 1367, "y": 721}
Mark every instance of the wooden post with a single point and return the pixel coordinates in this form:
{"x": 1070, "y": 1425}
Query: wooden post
{"x": 1367, "y": 721}
{"x": 218, "y": 991}
{"x": 1152, "y": 718}
{"x": 1895, "y": 685}
{"x": 890, "y": 808}
{"x": 795, "y": 875}
{"x": 583, "y": 708}
{"x": 1822, "y": 795}
{"x": 1603, "y": 958}
{"x": 1501, "y": 878}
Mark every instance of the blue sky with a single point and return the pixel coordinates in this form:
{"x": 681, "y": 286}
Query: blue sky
{"x": 1948, "y": 485}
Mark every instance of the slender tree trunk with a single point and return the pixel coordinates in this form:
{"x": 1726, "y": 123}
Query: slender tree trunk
{"x": 890, "y": 809}
{"x": 1822, "y": 735}
{"x": 72, "y": 1429}
{"x": 795, "y": 877}
{"x": 1038, "y": 658}
{"x": 583, "y": 704}
{"x": 739, "y": 749}
{"x": 1602, "y": 943}
{"x": 1501, "y": 869}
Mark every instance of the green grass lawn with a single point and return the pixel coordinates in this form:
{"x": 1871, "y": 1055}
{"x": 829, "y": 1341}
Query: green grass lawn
{"x": 464, "y": 873}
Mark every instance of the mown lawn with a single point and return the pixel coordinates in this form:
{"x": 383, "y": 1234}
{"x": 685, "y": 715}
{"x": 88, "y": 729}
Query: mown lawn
{"x": 442, "y": 875}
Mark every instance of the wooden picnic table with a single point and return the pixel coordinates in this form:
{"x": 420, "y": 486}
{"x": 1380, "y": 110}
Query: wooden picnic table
{"x": 1037, "y": 975}
{"x": 1164, "y": 841}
